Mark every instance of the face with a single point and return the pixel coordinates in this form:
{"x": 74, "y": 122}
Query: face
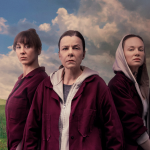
{"x": 134, "y": 52}
{"x": 71, "y": 52}
{"x": 26, "y": 54}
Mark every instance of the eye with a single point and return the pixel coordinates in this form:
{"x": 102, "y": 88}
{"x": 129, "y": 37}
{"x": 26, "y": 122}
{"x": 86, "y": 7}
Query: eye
{"x": 65, "y": 48}
{"x": 131, "y": 49}
{"x": 18, "y": 47}
{"x": 27, "y": 46}
{"x": 141, "y": 50}
{"x": 76, "y": 48}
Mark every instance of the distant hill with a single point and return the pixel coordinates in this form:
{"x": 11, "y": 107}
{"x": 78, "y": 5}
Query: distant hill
{"x": 2, "y": 102}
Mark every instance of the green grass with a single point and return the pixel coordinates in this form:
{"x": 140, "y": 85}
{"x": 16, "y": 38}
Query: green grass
{"x": 3, "y": 144}
{"x": 3, "y": 137}
{"x": 2, "y": 102}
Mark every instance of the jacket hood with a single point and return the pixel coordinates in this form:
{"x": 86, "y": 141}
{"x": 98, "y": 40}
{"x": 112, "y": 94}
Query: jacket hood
{"x": 120, "y": 64}
{"x": 57, "y": 77}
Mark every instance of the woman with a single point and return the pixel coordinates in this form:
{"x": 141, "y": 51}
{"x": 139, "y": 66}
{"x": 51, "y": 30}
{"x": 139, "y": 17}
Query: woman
{"x": 27, "y": 45}
{"x": 130, "y": 91}
{"x": 73, "y": 108}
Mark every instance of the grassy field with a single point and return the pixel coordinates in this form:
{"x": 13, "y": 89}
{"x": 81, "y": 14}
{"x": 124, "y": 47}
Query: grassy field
{"x": 2, "y": 102}
{"x": 3, "y": 137}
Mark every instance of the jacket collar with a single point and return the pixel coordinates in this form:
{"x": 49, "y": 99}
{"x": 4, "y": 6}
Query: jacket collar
{"x": 48, "y": 84}
{"x": 57, "y": 77}
{"x": 33, "y": 72}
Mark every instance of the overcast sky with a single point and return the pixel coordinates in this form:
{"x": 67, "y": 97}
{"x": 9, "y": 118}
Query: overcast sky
{"x": 102, "y": 22}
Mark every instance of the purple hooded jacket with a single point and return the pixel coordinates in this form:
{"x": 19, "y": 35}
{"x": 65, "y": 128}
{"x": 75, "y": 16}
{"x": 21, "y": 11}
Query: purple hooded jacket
{"x": 93, "y": 124}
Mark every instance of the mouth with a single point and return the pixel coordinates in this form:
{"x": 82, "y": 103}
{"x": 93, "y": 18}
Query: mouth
{"x": 70, "y": 61}
{"x": 22, "y": 57}
{"x": 137, "y": 59}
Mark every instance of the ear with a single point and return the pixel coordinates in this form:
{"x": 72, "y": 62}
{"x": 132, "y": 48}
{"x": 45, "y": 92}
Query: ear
{"x": 83, "y": 55}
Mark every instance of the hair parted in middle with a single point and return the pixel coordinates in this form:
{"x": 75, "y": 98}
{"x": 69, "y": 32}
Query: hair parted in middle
{"x": 73, "y": 33}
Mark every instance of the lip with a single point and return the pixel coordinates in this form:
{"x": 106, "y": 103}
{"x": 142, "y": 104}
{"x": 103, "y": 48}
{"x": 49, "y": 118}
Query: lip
{"x": 70, "y": 61}
{"x": 137, "y": 59}
{"x": 23, "y": 57}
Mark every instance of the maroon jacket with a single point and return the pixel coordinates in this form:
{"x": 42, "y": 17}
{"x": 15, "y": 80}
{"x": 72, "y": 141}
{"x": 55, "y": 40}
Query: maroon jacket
{"x": 93, "y": 124}
{"x": 18, "y": 105}
{"x": 129, "y": 107}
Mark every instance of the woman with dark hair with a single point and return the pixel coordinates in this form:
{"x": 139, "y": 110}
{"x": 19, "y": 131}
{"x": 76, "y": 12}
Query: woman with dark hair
{"x": 130, "y": 91}
{"x": 73, "y": 108}
{"x": 27, "y": 46}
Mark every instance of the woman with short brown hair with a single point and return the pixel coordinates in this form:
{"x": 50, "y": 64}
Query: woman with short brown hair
{"x": 27, "y": 46}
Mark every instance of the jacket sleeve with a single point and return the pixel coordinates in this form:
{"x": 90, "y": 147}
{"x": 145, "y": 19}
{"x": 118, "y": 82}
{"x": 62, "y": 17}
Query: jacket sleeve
{"x": 128, "y": 112}
{"x": 113, "y": 130}
{"x": 33, "y": 124}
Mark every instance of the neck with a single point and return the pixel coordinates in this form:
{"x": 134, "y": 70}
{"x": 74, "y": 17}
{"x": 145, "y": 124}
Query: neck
{"x": 134, "y": 71}
{"x": 28, "y": 68}
{"x": 71, "y": 75}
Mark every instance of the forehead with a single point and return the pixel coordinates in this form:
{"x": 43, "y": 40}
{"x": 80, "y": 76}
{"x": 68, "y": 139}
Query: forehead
{"x": 70, "y": 40}
{"x": 133, "y": 41}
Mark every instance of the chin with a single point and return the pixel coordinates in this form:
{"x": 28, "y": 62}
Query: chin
{"x": 70, "y": 66}
{"x": 27, "y": 63}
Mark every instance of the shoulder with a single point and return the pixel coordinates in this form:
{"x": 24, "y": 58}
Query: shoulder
{"x": 40, "y": 75}
{"x": 46, "y": 82}
{"x": 96, "y": 79}
{"x": 97, "y": 83}
{"x": 119, "y": 80}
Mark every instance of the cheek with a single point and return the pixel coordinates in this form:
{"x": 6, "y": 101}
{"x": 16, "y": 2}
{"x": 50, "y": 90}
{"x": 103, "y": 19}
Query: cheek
{"x": 143, "y": 57}
{"x": 33, "y": 54}
{"x": 62, "y": 58}
{"x": 80, "y": 57}
{"x": 128, "y": 57}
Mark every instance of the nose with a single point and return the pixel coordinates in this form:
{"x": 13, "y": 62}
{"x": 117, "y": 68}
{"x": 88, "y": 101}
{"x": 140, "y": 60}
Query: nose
{"x": 22, "y": 50}
{"x": 70, "y": 52}
{"x": 137, "y": 52}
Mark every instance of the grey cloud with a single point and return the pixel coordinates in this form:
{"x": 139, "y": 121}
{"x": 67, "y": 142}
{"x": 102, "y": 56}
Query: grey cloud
{"x": 88, "y": 7}
{"x": 140, "y": 6}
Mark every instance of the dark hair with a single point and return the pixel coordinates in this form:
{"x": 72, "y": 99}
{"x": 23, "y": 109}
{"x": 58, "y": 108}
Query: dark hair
{"x": 141, "y": 67}
{"x": 29, "y": 37}
{"x": 73, "y": 33}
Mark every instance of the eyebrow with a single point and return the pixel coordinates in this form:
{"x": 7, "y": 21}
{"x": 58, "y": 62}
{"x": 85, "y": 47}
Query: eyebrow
{"x": 76, "y": 45}
{"x": 134, "y": 46}
{"x": 73, "y": 45}
{"x": 17, "y": 44}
